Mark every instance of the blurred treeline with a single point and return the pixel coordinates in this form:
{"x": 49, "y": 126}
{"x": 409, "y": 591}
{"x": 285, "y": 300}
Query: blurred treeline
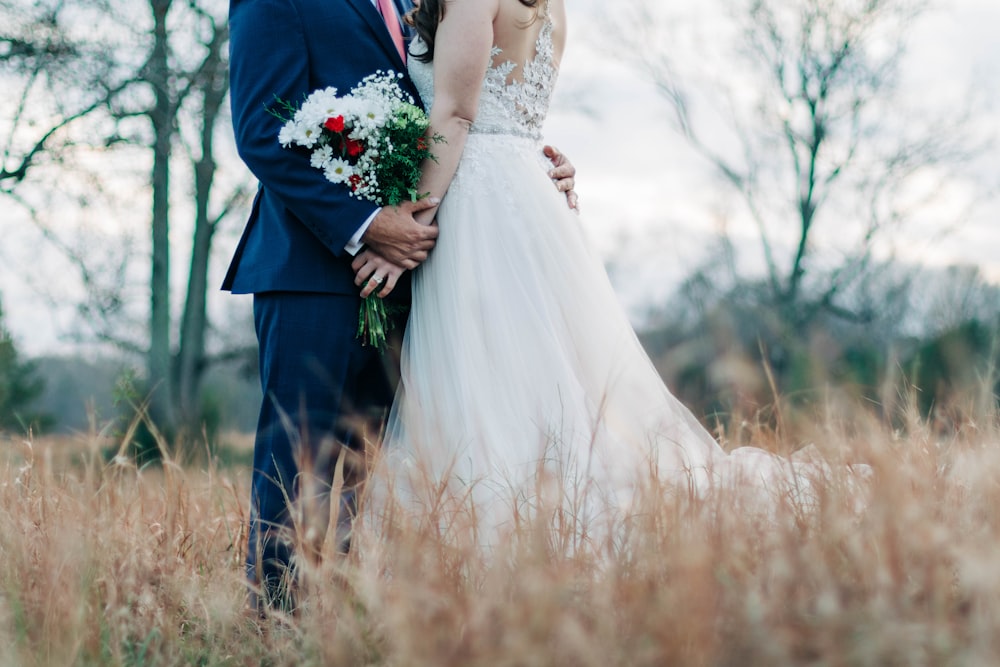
{"x": 927, "y": 339}
{"x": 103, "y": 394}
{"x": 924, "y": 339}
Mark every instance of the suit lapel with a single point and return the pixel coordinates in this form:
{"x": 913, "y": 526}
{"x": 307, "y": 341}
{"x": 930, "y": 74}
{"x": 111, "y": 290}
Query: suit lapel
{"x": 367, "y": 10}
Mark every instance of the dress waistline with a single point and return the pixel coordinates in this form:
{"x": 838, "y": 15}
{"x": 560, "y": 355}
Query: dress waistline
{"x": 522, "y": 133}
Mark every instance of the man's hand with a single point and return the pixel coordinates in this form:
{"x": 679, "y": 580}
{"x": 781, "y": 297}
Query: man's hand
{"x": 564, "y": 174}
{"x": 395, "y": 236}
{"x": 372, "y": 272}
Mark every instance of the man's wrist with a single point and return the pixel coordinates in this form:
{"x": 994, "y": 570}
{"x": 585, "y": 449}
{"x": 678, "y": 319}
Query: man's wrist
{"x": 356, "y": 242}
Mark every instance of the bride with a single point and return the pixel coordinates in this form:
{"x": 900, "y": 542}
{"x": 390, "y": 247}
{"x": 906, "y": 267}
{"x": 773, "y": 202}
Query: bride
{"x": 518, "y": 361}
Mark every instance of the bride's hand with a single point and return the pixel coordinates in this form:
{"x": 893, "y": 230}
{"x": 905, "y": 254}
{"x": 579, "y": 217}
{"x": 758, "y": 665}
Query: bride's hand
{"x": 564, "y": 174}
{"x": 372, "y": 270}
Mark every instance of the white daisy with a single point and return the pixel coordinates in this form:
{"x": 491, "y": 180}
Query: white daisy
{"x": 306, "y": 135}
{"x": 338, "y": 170}
{"x": 287, "y": 134}
{"x": 319, "y": 106}
{"x": 321, "y": 157}
{"x": 350, "y": 107}
{"x": 373, "y": 118}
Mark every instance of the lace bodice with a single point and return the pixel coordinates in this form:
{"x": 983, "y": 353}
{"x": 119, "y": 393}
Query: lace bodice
{"x": 507, "y": 106}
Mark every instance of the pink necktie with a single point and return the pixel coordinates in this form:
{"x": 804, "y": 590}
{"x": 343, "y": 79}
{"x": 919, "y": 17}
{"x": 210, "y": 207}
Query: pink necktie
{"x": 391, "y": 19}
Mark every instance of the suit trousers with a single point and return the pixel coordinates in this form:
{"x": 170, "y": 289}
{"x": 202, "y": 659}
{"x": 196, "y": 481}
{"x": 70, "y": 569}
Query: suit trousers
{"x": 323, "y": 391}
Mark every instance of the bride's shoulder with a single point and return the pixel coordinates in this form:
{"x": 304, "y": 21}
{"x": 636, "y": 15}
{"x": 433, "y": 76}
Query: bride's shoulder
{"x": 478, "y": 8}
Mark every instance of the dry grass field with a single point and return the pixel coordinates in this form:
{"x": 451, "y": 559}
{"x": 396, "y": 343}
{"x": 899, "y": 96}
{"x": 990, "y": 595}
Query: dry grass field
{"x": 107, "y": 564}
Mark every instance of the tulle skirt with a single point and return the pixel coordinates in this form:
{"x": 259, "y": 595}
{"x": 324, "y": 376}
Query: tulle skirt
{"x": 522, "y": 381}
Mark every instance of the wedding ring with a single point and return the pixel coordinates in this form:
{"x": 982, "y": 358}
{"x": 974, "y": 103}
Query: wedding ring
{"x": 377, "y": 280}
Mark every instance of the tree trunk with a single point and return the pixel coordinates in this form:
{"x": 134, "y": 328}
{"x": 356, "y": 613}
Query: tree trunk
{"x": 190, "y": 357}
{"x": 162, "y": 117}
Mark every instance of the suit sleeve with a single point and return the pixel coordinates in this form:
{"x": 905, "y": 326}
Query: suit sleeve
{"x": 269, "y": 59}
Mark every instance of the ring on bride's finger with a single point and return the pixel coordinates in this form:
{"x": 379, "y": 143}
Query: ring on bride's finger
{"x": 377, "y": 280}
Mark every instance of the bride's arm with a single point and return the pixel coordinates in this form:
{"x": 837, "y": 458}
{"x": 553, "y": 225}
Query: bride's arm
{"x": 461, "y": 55}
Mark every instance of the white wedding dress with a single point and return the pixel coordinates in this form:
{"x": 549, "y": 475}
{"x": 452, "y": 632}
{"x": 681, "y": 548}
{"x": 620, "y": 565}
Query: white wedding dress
{"x": 520, "y": 372}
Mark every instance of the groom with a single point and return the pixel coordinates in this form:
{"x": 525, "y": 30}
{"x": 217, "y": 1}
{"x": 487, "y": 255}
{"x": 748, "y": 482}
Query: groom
{"x": 322, "y": 388}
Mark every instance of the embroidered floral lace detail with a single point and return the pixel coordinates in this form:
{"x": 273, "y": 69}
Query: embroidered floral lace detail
{"x": 519, "y": 106}
{"x": 507, "y": 106}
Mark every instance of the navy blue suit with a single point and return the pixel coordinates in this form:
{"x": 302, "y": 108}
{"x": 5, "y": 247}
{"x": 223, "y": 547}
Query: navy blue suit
{"x": 316, "y": 376}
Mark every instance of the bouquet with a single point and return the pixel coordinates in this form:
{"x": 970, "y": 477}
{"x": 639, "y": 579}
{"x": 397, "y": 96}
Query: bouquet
{"x": 372, "y": 141}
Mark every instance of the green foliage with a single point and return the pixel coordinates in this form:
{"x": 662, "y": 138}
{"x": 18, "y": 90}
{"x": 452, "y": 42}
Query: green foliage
{"x": 958, "y": 365}
{"x": 20, "y": 387}
{"x": 228, "y": 404}
{"x": 403, "y": 149}
{"x": 140, "y": 442}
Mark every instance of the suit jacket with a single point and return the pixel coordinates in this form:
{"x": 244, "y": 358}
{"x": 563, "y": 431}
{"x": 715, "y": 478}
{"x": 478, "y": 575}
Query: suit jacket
{"x": 300, "y": 222}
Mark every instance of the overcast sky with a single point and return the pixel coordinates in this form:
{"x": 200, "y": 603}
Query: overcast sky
{"x": 648, "y": 202}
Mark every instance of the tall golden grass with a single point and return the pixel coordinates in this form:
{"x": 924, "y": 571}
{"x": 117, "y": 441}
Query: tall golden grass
{"x": 107, "y": 564}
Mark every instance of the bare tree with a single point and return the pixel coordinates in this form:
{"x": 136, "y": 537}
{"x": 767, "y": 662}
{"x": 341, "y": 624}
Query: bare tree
{"x": 38, "y": 56}
{"x": 162, "y": 88}
{"x": 800, "y": 118}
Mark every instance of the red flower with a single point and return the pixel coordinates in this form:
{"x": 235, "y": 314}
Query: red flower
{"x": 354, "y": 147}
{"x": 355, "y": 181}
{"x": 421, "y": 144}
{"x": 334, "y": 124}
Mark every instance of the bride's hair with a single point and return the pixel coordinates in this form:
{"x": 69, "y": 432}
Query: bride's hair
{"x": 425, "y": 19}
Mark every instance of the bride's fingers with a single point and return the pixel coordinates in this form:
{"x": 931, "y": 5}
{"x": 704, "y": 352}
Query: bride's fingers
{"x": 559, "y": 161}
{"x": 382, "y": 281}
{"x": 360, "y": 260}
{"x": 390, "y": 284}
{"x": 372, "y": 284}
{"x": 562, "y": 172}
{"x": 375, "y": 274}
{"x": 566, "y": 184}
{"x": 366, "y": 271}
